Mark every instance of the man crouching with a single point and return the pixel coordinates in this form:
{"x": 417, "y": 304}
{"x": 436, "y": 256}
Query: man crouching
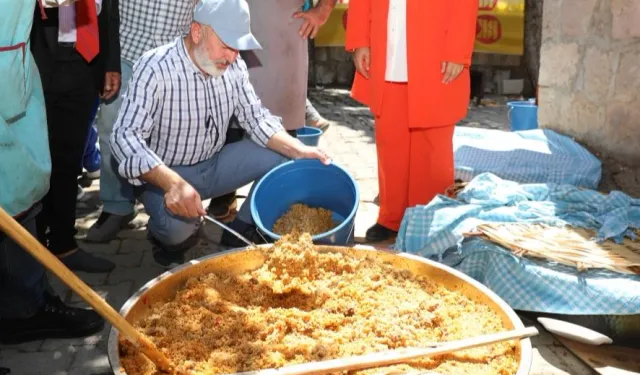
{"x": 169, "y": 138}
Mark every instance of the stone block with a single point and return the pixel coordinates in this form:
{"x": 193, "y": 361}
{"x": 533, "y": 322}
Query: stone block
{"x": 71, "y": 345}
{"x": 115, "y": 295}
{"x": 576, "y": 16}
{"x": 41, "y": 363}
{"x": 551, "y": 20}
{"x": 627, "y": 78}
{"x": 130, "y": 245}
{"x": 626, "y": 14}
{"x": 110, "y": 248}
{"x": 559, "y": 64}
{"x": 597, "y": 73}
{"x": 621, "y": 139}
{"x": 321, "y": 54}
{"x": 553, "y": 107}
{"x": 91, "y": 360}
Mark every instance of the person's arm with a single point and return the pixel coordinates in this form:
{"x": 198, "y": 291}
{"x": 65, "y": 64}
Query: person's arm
{"x": 113, "y": 76}
{"x": 134, "y": 125}
{"x": 461, "y": 33}
{"x": 314, "y": 18}
{"x": 264, "y": 128}
{"x": 358, "y": 34}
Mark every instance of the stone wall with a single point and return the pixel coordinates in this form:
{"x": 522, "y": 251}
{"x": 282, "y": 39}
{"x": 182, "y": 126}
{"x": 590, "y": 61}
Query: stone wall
{"x": 331, "y": 66}
{"x": 589, "y": 79}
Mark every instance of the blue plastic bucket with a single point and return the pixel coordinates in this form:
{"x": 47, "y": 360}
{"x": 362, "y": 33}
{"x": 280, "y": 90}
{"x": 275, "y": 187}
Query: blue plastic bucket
{"x": 309, "y": 136}
{"x": 523, "y": 115}
{"x": 310, "y": 182}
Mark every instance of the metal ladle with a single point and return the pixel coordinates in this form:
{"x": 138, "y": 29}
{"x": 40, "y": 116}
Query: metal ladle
{"x": 223, "y": 226}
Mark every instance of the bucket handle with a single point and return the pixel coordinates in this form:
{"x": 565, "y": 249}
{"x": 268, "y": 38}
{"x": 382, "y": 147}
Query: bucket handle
{"x": 509, "y": 113}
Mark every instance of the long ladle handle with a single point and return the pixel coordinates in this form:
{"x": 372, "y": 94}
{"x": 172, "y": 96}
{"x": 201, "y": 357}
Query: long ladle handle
{"x": 21, "y": 236}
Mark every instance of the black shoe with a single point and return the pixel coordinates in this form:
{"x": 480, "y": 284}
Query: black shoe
{"x": 248, "y": 231}
{"x": 54, "y": 321}
{"x": 171, "y": 256}
{"x": 221, "y": 207}
{"x": 378, "y": 233}
{"x": 167, "y": 259}
{"x": 83, "y": 261}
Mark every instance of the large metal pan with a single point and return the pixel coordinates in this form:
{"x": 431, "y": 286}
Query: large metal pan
{"x": 165, "y": 286}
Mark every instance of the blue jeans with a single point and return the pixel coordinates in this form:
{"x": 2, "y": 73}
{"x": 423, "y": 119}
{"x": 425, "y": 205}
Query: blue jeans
{"x": 116, "y": 193}
{"x": 91, "y": 159}
{"x": 22, "y": 278}
{"x": 236, "y": 165}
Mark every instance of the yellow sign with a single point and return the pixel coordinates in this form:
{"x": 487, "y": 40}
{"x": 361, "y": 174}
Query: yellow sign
{"x": 500, "y": 27}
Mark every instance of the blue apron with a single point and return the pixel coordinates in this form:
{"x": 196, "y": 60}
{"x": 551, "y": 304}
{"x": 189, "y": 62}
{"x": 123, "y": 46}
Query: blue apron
{"x": 25, "y": 162}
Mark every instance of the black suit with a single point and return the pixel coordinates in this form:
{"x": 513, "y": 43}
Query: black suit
{"x": 71, "y": 88}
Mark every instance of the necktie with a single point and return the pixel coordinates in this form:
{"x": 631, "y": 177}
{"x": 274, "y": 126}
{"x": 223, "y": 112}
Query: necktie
{"x": 87, "y": 41}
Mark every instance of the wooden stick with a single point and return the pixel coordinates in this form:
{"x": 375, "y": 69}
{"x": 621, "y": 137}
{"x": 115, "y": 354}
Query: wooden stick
{"x": 394, "y": 357}
{"x": 22, "y": 237}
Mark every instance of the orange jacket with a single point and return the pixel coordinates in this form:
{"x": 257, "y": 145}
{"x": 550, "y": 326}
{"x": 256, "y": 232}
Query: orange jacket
{"x": 437, "y": 31}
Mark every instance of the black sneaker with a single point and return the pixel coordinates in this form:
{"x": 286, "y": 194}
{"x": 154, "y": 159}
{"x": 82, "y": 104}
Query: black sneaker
{"x": 54, "y": 321}
{"x": 379, "y": 233}
{"x": 221, "y": 207}
{"x": 167, "y": 259}
{"x": 171, "y": 256}
{"x": 248, "y": 231}
{"x": 86, "y": 262}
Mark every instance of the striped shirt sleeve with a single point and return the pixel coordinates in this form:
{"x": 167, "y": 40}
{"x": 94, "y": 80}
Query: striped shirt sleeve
{"x": 252, "y": 116}
{"x": 134, "y": 125}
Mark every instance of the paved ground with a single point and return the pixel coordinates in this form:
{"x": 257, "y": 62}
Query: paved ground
{"x": 351, "y": 145}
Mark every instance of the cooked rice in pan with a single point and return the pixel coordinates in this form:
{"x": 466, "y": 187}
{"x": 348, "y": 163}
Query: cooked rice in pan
{"x": 302, "y": 306}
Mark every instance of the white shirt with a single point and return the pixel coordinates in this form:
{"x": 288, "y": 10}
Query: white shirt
{"x": 397, "y": 42}
{"x": 67, "y": 21}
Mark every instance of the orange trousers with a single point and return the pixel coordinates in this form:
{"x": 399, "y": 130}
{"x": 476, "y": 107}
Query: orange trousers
{"x": 414, "y": 164}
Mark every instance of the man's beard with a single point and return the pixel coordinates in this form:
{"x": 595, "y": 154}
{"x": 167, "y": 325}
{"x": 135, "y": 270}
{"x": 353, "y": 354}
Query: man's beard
{"x": 206, "y": 64}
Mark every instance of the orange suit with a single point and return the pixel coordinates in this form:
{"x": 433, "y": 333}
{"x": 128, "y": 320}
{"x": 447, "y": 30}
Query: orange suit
{"x": 414, "y": 121}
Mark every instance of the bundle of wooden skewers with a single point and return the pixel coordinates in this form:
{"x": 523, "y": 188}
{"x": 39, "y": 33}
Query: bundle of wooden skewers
{"x": 570, "y": 246}
{"x": 453, "y": 190}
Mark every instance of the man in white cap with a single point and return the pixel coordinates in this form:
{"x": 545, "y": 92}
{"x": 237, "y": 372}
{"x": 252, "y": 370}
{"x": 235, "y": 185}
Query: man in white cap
{"x": 169, "y": 139}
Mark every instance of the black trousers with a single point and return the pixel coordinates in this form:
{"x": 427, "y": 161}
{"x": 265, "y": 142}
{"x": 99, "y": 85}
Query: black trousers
{"x": 69, "y": 96}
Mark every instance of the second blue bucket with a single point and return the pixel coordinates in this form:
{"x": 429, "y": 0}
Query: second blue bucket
{"x": 523, "y": 115}
{"x": 309, "y": 136}
{"x": 314, "y": 184}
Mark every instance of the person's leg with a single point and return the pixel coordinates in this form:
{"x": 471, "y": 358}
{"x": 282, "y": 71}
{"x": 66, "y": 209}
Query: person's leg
{"x": 237, "y": 165}
{"x": 116, "y": 193}
{"x": 221, "y": 207}
{"x": 170, "y": 234}
{"x": 27, "y": 311}
{"x": 91, "y": 158}
{"x": 314, "y": 119}
{"x": 392, "y": 145}
{"x": 68, "y": 103}
{"x": 431, "y": 166}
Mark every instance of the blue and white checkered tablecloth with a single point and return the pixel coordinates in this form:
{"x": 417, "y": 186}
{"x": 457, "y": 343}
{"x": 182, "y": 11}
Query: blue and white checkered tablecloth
{"x": 531, "y": 156}
{"x": 435, "y": 231}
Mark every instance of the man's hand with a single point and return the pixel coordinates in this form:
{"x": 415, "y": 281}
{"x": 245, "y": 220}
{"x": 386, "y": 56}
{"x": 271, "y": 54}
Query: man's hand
{"x": 362, "y": 59}
{"x": 183, "y": 200}
{"x": 450, "y": 71}
{"x": 314, "y": 18}
{"x": 286, "y": 145}
{"x": 308, "y": 152}
{"x": 180, "y": 197}
{"x": 111, "y": 85}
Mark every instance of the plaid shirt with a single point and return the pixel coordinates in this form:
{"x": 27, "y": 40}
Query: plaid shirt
{"x": 174, "y": 114}
{"x": 147, "y": 24}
